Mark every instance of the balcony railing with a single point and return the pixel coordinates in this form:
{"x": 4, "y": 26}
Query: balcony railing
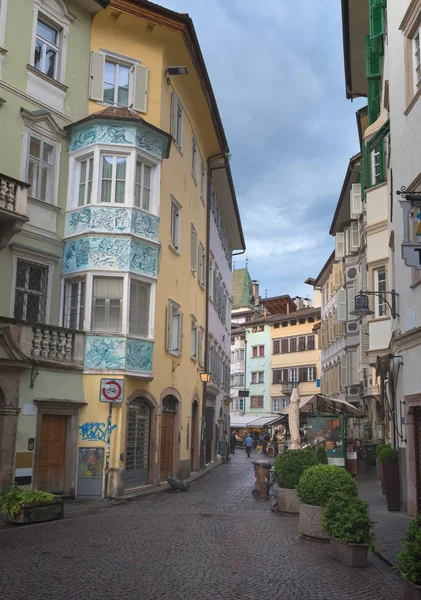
{"x": 13, "y": 200}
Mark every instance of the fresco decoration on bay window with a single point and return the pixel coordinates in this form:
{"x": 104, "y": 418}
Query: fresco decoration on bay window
{"x": 411, "y": 245}
{"x": 112, "y": 220}
{"x": 132, "y": 134}
{"x": 118, "y": 353}
{"x": 110, "y": 253}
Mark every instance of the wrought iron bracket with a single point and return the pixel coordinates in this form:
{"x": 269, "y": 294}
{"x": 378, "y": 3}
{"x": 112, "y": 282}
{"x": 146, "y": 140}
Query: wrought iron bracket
{"x": 34, "y": 372}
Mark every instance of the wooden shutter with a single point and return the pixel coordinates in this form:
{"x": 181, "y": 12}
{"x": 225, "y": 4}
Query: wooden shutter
{"x": 285, "y": 375}
{"x": 355, "y": 236}
{"x": 293, "y": 345}
{"x": 373, "y": 57}
{"x": 301, "y": 343}
{"x": 284, "y": 346}
{"x": 96, "y": 78}
{"x": 376, "y": 19}
{"x": 302, "y": 374}
{"x": 140, "y": 88}
{"x": 356, "y": 204}
{"x": 276, "y": 347}
{"x": 341, "y": 312}
{"x": 180, "y": 333}
{"x": 169, "y": 327}
{"x": 344, "y": 371}
{"x": 374, "y": 99}
{"x": 351, "y": 301}
{"x": 339, "y": 245}
{"x": 193, "y": 249}
{"x": 310, "y": 342}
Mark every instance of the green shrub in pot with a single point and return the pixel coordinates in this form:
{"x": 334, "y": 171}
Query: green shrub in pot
{"x": 321, "y": 482}
{"x": 409, "y": 559}
{"x": 14, "y": 497}
{"x": 322, "y": 455}
{"x": 348, "y": 520}
{"x": 388, "y": 456}
{"x": 291, "y": 464}
{"x": 380, "y": 448}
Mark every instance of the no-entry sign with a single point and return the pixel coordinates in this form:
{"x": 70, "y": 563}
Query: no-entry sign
{"x": 112, "y": 390}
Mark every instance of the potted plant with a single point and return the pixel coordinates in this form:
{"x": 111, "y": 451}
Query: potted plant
{"x": 389, "y": 460}
{"x": 289, "y": 466}
{"x": 409, "y": 560}
{"x": 347, "y": 521}
{"x": 379, "y": 464}
{"x": 30, "y": 506}
{"x": 316, "y": 486}
{"x": 322, "y": 455}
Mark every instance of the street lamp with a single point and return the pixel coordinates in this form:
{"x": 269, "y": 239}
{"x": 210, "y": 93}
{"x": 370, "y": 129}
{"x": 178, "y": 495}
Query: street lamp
{"x": 205, "y": 377}
{"x": 361, "y": 303}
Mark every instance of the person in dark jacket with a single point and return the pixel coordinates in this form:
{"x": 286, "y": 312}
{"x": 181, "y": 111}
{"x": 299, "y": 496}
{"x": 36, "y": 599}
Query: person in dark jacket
{"x": 233, "y": 441}
{"x": 248, "y": 444}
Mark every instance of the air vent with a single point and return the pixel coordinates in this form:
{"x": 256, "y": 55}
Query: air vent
{"x": 352, "y": 273}
{"x": 352, "y": 326}
{"x": 354, "y": 391}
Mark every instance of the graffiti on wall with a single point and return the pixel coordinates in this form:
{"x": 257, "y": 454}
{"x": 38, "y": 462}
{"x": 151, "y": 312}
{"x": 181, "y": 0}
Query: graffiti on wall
{"x": 95, "y": 431}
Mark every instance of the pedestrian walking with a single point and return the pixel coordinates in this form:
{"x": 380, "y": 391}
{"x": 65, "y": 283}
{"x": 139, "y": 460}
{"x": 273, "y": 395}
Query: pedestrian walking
{"x": 248, "y": 443}
{"x": 233, "y": 441}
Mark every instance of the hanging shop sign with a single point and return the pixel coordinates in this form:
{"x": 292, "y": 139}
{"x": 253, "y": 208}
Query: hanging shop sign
{"x": 112, "y": 390}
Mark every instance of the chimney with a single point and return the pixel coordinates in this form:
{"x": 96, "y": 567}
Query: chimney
{"x": 299, "y": 302}
{"x": 255, "y": 292}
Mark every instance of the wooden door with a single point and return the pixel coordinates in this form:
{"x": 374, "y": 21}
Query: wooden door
{"x": 52, "y": 453}
{"x": 167, "y": 444}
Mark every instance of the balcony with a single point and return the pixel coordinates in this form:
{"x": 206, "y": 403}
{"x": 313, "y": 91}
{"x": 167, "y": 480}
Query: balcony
{"x": 13, "y": 199}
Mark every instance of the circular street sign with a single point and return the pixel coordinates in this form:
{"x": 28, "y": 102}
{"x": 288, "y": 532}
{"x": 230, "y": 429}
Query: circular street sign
{"x": 111, "y": 390}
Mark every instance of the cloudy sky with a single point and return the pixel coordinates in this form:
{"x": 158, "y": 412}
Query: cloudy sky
{"x": 276, "y": 68}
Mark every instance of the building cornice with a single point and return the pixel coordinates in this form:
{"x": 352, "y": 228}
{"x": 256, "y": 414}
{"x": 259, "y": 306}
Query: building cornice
{"x": 377, "y": 227}
{"x": 408, "y": 340}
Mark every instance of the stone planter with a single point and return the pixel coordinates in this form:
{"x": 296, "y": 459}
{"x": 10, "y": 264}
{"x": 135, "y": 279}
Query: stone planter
{"x": 381, "y": 477}
{"x": 310, "y": 524}
{"x": 411, "y": 591}
{"x": 41, "y": 511}
{"x": 288, "y": 502}
{"x": 352, "y": 555}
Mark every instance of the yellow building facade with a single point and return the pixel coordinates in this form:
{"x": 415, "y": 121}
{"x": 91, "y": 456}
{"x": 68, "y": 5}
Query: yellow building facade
{"x": 295, "y": 355}
{"x": 136, "y": 243}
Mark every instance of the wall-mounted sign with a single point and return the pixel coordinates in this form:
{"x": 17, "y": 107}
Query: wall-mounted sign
{"x": 411, "y": 251}
{"x": 244, "y": 393}
{"x": 411, "y": 254}
{"x": 112, "y": 390}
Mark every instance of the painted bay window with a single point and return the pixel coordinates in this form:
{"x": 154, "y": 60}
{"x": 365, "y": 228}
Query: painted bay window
{"x": 74, "y": 303}
{"x": 40, "y": 169}
{"x": 86, "y": 169}
{"x": 139, "y": 308}
{"x": 113, "y": 178}
{"x": 46, "y": 57}
{"x": 142, "y": 187}
{"x": 31, "y": 291}
{"x": 107, "y": 304}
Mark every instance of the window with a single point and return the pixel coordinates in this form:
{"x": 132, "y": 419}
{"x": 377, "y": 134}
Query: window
{"x": 237, "y": 404}
{"x": 310, "y": 342}
{"x": 202, "y": 265}
{"x": 116, "y": 83}
{"x": 254, "y": 377}
{"x": 74, "y": 303}
{"x": 194, "y": 157}
{"x": 276, "y": 347}
{"x": 306, "y": 374}
{"x": 261, "y": 350}
{"x": 113, "y": 179}
{"x": 193, "y": 338}
{"x": 31, "y": 287}
{"x": 174, "y": 329}
{"x": 46, "y": 49}
{"x": 193, "y": 248}
{"x": 175, "y": 225}
{"x": 293, "y": 375}
{"x": 40, "y": 170}
{"x": 279, "y": 404}
{"x": 417, "y": 60}
{"x": 376, "y": 158}
{"x": 86, "y": 169}
{"x": 202, "y": 181}
{"x": 177, "y": 115}
{"x": 380, "y": 288}
{"x": 284, "y": 346}
{"x": 254, "y": 352}
{"x": 139, "y": 308}
{"x": 301, "y": 343}
{"x": 107, "y": 301}
{"x": 261, "y": 375}
{"x": 256, "y": 401}
{"x": 302, "y": 321}
{"x": 285, "y": 324}
{"x": 239, "y": 355}
{"x": 142, "y": 187}
{"x": 293, "y": 344}
{"x": 276, "y": 325}
{"x": 294, "y": 322}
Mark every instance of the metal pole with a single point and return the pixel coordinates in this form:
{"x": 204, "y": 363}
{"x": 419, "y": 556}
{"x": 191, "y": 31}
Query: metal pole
{"x": 107, "y": 450}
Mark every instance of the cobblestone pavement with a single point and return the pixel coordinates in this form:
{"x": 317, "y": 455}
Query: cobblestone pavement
{"x": 214, "y": 542}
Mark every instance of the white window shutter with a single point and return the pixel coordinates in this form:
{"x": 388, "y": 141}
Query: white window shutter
{"x": 140, "y": 88}
{"x": 355, "y": 236}
{"x": 344, "y": 371}
{"x": 96, "y": 79}
{"x": 341, "y": 312}
{"x": 355, "y": 200}
{"x": 180, "y": 332}
{"x": 174, "y": 115}
{"x": 169, "y": 327}
{"x": 193, "y": 250}
{"x": 364, "y": 345}
{"x": 351, "y": 301}
{"x": 339, "y": 245}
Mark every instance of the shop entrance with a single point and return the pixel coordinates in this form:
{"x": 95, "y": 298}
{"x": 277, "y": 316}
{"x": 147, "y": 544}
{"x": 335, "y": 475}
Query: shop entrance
{"x": 52, "y": 453}
{"x": 194, "y": 435}
{"x": 138, "y": 436}
{"x": 417, "y": 440}
{"x": 169, "y": 406}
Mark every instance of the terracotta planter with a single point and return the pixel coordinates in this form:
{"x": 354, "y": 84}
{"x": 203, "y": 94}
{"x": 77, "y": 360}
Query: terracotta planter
{"x": 288, "y": 502}
{"x": 382, "y": 477}
{"x": 310, "y": 524}
{"x": 42, "y": 511}
{"x": 391, "y": 485}
{"x": 411, "y": 591}
{"x": 352, "y": 555}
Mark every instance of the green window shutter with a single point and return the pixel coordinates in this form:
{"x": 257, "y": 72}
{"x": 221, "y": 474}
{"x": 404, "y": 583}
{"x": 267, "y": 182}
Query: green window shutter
{"x": 373, "y": 59}
{"x": 374, "y": 98}
{"x": 368, "y": 149}
{"x": 362, "y": 171}
{"x": 382, "y": 160}
{"x": 376, "y": 21}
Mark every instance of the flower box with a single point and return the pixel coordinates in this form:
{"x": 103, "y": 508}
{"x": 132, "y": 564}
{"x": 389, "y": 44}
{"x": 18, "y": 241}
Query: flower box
{"x": 310, "y": 523}
{"x": 288, "y": 502}
{"x": 41, "y": 511}
{"x": 352, "y": 555}
{"x": 411, "y": 591}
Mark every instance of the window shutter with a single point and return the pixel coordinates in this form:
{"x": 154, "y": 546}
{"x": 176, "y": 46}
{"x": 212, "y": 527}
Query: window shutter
{"x": 285, "y": 375}
{"x": 374, "y": 98}
{"x": 293, "y": 345}
{"x": 139, "y": 308}
{"x": 355, "y": 236}
{"x": 180, "y": 332}
{"x": 376, "y": 19}
{"x": 284, "y": 346}
{"x": 351, "y": 301}
{"x": 364, "y": 345}
{"x": 344, "y": 371}
{"x": 356, "y": 204}
{"x": 174, "y": 115}
{"x": 302, "y": 374}
{"x": 169, "y": 327}
{"x": 276, "y": 347}
{"x": 373, "y": 57}
{"x": 341, "y": 312}
{"x": 193, "y": 249}
{"x": 339, "y": 245}
{"x": 382, "y": 159}
{"x": 140, "y": 87}
{"x": 96, "y": 79}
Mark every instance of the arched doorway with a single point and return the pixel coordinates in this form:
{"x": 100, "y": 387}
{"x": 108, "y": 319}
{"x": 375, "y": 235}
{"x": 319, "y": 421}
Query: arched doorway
{"x": 169, "y": 409}
{"x": 195, "y": 443}
{"x": 138, "y": 438}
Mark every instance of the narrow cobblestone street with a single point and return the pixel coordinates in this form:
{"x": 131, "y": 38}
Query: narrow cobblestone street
{"x": 214, "y": 542}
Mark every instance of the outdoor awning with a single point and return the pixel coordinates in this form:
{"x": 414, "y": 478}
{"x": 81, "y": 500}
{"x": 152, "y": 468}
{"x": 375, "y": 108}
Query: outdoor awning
{"x": 265, "y": 421}
{"x": 241, "y": 422}
{"x": 349, "y": 407}
{"x": 254, "y": 421}
{"x": 309, "y": 404}
{"x": 304, "y": 401}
